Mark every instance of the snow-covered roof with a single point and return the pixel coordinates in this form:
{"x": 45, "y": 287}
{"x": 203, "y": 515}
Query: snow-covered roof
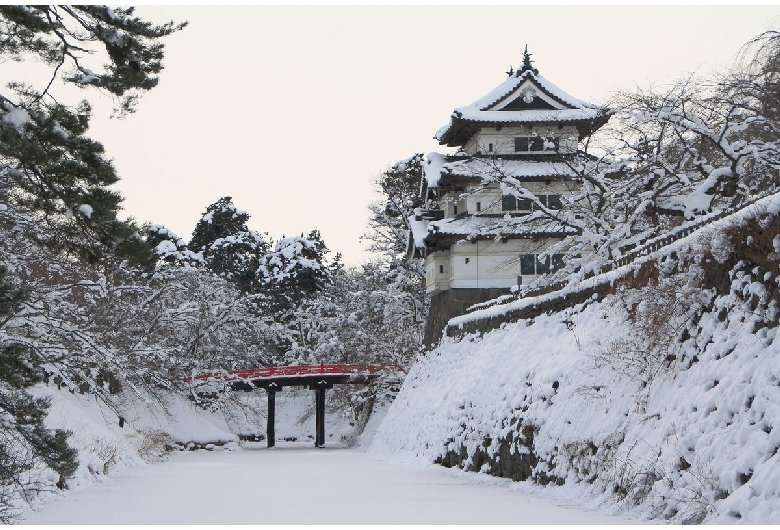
{"x": 492, "y": 168}
{"x": 524, "y": 97}
{"x": 426, "y": 232}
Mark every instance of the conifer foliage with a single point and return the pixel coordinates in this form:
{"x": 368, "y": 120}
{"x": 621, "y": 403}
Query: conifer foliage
{"x": 58, "y": 215}
{"x": 229, "y": 248}
{"x": 402, "y": 190}
{"x": 59, "y": 175}
{"x": 295, "y": 270}
{"x": 25, "y": 442}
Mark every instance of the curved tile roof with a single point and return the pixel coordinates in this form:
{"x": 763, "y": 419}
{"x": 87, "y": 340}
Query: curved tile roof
{"x": 554, "y": 105}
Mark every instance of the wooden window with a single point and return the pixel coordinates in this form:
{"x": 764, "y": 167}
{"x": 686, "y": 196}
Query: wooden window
{"x": 527, "y": 264}
{"x": 542, "y": 265}
{"x": 508, "y": 203}
{"x": 535, "y": 143}
{"x": 554, "y": 202}
{"x": 530, "y": 264}
{"x": 550, "y": 144}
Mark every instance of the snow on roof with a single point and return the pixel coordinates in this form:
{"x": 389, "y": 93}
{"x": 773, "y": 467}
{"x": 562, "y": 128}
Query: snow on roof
{"x": 567, "y": 108}
{"x": 433, "y": 168}
{"x": 492, "y": 168}
{"x": 419, "y": 230}
{"x": 525, "y": 116}
{"x": 507, "y": 168}
{"x": 474, "y": 226}
{"x": 513, "y": 83}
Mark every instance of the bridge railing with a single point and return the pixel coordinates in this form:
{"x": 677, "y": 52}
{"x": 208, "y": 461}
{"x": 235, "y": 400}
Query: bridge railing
{"x": 291, "y": 371}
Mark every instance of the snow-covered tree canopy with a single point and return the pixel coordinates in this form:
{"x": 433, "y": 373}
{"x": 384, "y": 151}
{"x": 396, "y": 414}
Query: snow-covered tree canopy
{"x": 295, "y": 269}
{"x": 49, "y": 168}
{"x": 227, "y": 246}
{"x": 56, "y": 206}
{"x": 402, "y": 189}
{"x": 91, "y": 46}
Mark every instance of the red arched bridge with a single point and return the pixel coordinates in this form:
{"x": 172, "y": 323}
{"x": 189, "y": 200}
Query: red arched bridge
{"x": 317, "y": 377}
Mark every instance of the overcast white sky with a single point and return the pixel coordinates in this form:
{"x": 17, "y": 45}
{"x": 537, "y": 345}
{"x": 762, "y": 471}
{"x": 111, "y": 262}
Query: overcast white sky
{"x": 293, "y": 110}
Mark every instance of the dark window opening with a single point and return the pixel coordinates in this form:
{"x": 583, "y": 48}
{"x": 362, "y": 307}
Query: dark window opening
{"x": 530, "y": 264}
{"x": 542, "y": 265}
{"x": 535, "y": 143}
{"x": 527, "y": 264}
{"x": 490, "y": 148}
{"x": 511, "y": 203}
{"x": 467, "y": 260}
{"x": 508, "y": 203}
{"x": 441, "y": 269}
{"x": 455, "y": 210}
{"x": 479, "y": 206}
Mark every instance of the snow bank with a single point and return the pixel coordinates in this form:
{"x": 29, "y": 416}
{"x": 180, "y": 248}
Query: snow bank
{"x": 666, "y": 399}
{"x": 152, "y": 426}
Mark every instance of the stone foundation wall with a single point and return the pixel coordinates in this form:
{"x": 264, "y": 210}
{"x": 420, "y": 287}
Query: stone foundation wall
{"x": 451, "y": 303}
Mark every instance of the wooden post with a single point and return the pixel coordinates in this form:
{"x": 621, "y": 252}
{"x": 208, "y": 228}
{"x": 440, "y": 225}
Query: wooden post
{"x": 319, "y": 440}
{"x": 271, "y": 420}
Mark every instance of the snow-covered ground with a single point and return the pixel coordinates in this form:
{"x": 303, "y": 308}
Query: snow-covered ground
{"x": 661, "y": 398}
{"x": 660, "y": 401}
{"x": 294, "y": 483}
{"x": 244, "y": 482}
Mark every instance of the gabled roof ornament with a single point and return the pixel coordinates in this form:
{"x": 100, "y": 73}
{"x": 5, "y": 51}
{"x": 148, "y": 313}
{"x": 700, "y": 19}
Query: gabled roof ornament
{"x": 527, "y": 66}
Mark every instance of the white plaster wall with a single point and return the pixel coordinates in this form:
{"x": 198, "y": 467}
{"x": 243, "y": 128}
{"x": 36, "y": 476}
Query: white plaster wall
{"x": 490, "y": 264}
{"x": 503, "y": 139}
{"x": 490, "y": 198}
{"x": 435, "y": 280}
{"x": 489, "y": 201}
{"x": 449, "y": 201}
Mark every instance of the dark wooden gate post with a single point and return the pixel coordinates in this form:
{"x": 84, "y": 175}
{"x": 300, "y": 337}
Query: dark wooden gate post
{"x": 319, "y": 440}
{"x": 270, "y": 433}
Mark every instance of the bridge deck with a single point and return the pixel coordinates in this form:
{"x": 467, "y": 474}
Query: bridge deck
{"x": 317, "y": 377}
{"x": 278, "y": 376}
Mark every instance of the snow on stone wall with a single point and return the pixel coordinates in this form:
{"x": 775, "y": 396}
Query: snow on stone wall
{"x": 663, "y": 395}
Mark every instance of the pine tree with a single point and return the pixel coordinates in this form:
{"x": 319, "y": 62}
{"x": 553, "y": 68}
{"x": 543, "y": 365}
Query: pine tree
{"x": 229, "y": 248}
{"x": 70, "y": 36}
{"x": 24, "y": 439}
{"x": 48, "y": 166}
{"x": 55, "y": 190}
{"x": 170, "y": 248}
{"x": 295, "y": 270}
{"x": 402, "y": 189}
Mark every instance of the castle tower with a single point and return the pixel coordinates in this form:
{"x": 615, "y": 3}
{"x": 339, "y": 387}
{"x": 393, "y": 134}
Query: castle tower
{"x": 523, "y": 133}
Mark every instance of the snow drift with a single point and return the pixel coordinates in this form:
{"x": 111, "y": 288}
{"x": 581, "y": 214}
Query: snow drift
{"x": 663, "y": 394}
